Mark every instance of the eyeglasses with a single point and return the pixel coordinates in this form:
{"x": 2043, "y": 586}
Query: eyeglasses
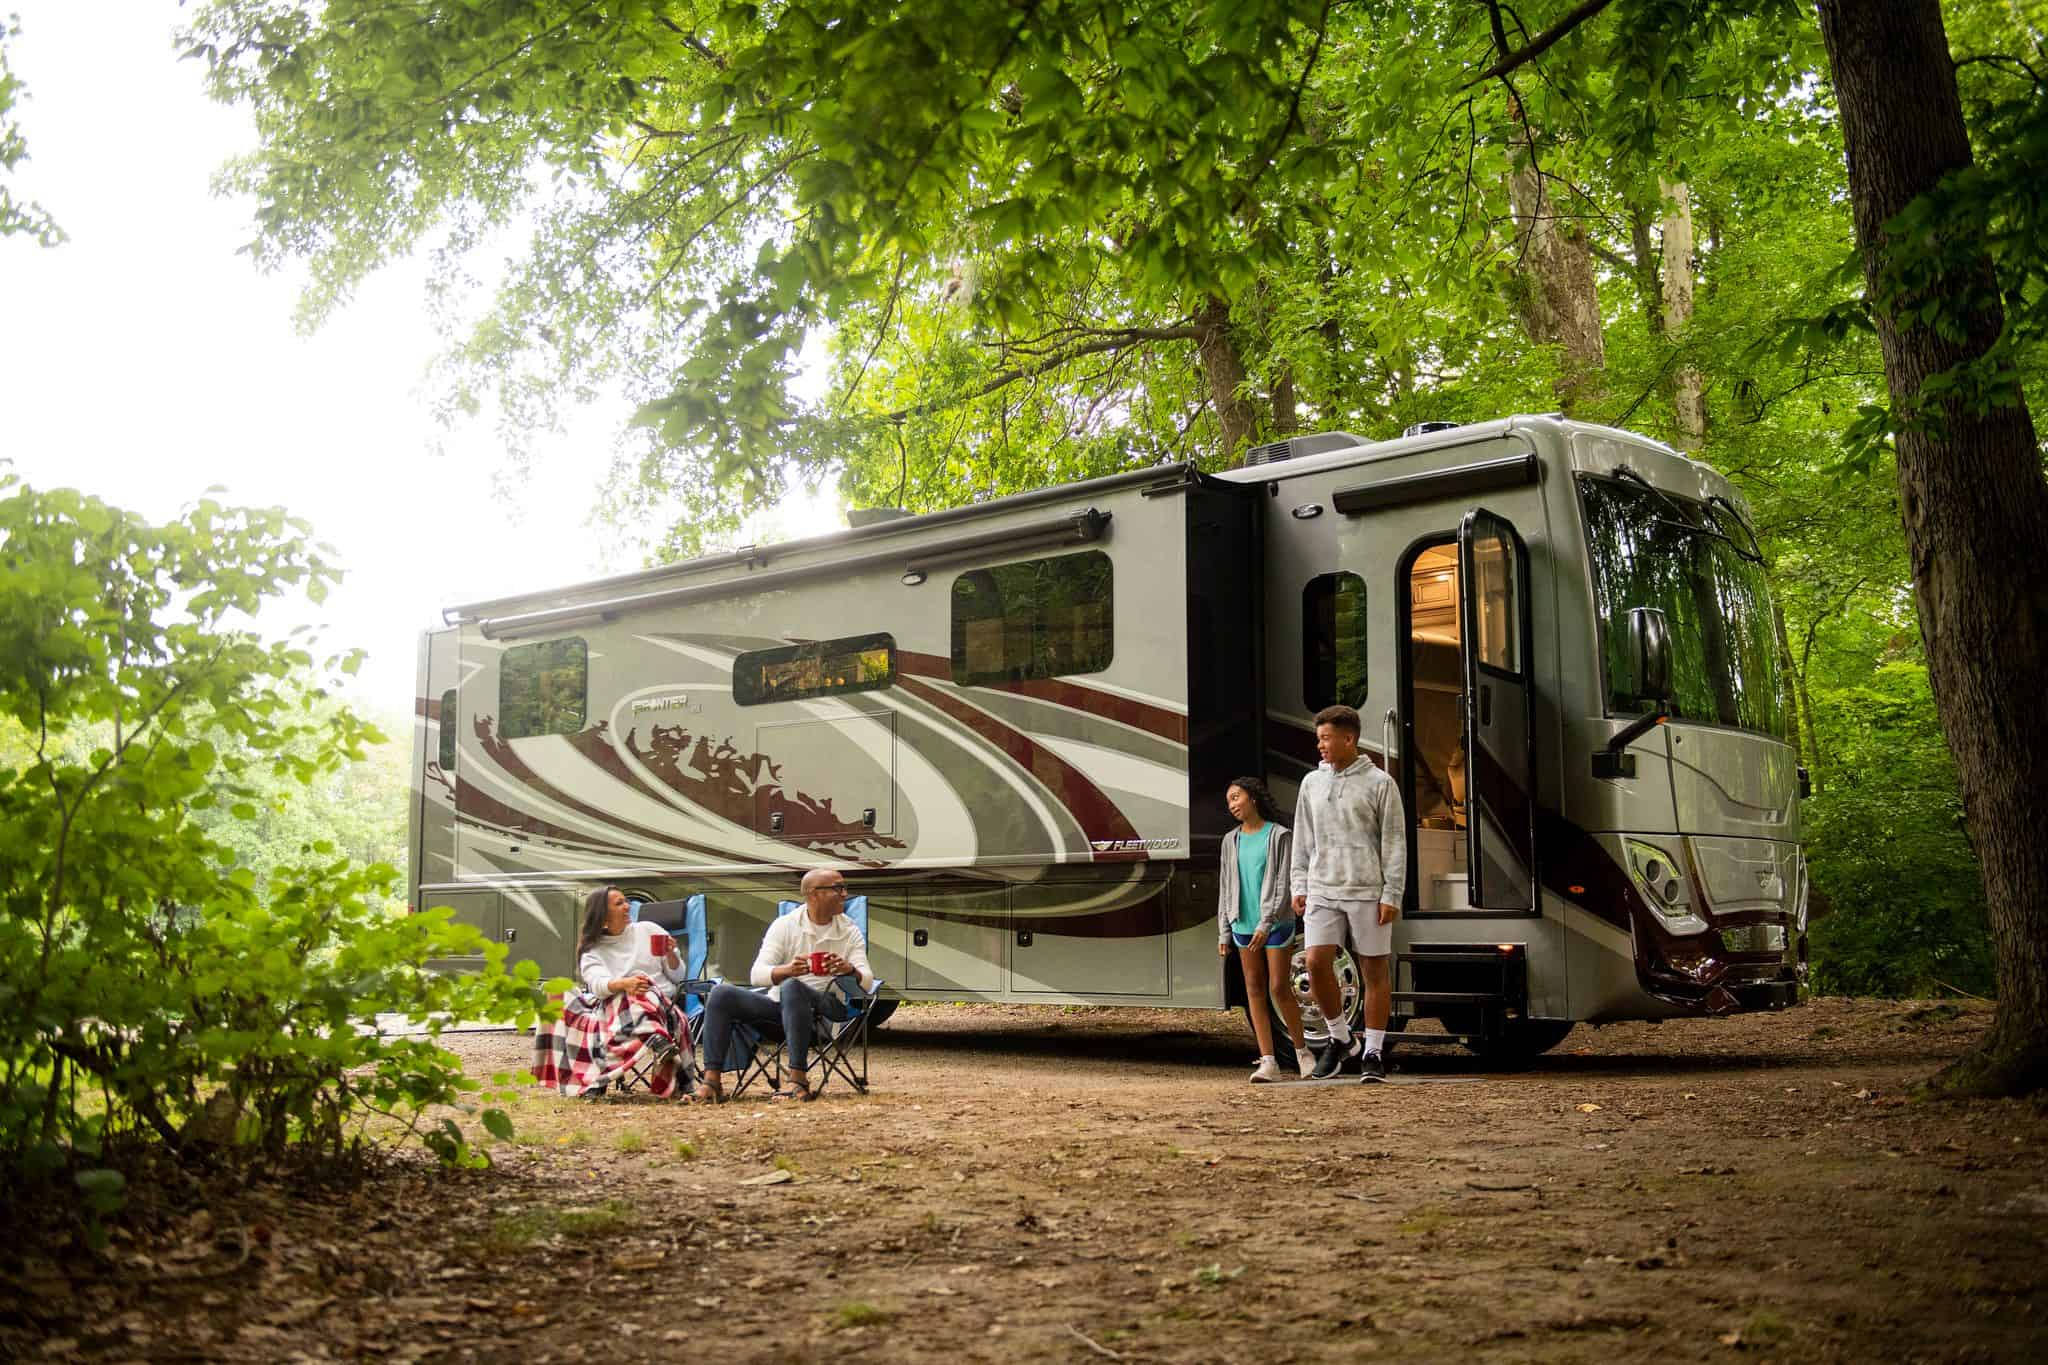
{"x": 839, "y": 887}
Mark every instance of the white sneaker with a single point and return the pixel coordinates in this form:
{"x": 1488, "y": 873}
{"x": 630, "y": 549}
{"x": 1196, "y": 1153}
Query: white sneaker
{"x": 1306, "y": 1060}
{"x": 1265, "y": 1072}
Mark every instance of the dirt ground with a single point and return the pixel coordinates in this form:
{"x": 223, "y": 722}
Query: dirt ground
{"x": 1089, "y": 1185}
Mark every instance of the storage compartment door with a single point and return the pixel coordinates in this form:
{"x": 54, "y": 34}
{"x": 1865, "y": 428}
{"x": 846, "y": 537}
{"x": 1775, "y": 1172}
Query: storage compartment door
{"x": 956, "y": 940}
{"x": 1089, "y": 938}
{"x": 482, "y": 909}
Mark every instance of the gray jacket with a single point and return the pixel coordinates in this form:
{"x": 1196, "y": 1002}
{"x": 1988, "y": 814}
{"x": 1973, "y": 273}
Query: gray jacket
{"x": 1275, "y": 900}
{"x": 1353, "y": 837}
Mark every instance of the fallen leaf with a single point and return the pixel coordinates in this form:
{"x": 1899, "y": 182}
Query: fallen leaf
{"x": 772, "y": 1178}
{"x": 1589, "y": 1109}
{"x": 1861, "y": 1095}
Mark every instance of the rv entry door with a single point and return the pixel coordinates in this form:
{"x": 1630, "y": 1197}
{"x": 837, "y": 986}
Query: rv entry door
{"x": 1499, "y": 721}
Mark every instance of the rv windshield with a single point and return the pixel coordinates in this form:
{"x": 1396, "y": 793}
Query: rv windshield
{"x": 1696, "y": 563}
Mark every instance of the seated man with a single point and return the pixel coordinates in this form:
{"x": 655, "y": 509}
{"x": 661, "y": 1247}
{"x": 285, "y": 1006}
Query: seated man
{"x": 796, "y": 996}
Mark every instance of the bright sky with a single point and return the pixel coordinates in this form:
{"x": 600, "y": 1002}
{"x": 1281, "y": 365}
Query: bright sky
{"x": 144, "y": 361}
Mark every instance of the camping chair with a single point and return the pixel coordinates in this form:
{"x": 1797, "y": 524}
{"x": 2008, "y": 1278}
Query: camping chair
{"x": 757, "y": 1053}
{"x": 683, "y": 920}
{"x": 834, "y": 1045}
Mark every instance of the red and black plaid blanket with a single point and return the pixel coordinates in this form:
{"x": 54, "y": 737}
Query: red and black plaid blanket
{"x": 596, "y": 1042}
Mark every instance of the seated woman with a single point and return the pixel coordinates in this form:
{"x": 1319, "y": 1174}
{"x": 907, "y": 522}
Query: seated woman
{"x": 626, "y": 1006}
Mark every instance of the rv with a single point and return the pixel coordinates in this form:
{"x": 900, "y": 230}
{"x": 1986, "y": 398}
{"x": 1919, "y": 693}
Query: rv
{"x": 1011, "y": 725}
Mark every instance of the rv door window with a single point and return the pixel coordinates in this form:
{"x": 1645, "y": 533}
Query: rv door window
{"x": 1333, "y": 641}
{"x": 1041, "y": 618}
{"x": 817, "y": 668}
{"x": 1494, "y": 603}
{"x": 543, "y": 688}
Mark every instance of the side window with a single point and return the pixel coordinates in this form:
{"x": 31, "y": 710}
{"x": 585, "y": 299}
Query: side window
{"x": 1495, "y": 602}
{"x": 1042, "y": 618}
{"x": 1333, "y": 641}
{"x": 543, "y": 689}
{"x": 857, "y": 663}
{"x": 447, "y": 729}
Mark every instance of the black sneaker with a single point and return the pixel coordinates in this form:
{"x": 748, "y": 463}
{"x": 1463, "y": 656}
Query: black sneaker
{"x": 1334, "y": 1057}
{"x": 1372, "y": 1068}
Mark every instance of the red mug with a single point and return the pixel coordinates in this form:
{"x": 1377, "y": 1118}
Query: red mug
{"x": 661, "y": 944}
{"x": 818, "y": 961}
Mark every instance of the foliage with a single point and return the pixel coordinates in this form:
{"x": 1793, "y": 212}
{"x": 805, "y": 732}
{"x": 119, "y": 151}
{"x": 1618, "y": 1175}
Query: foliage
{"x": 17, "y": 218}
{"x": 1888, "y": 848}
{"x": 1051, "y": 241}
{"x": 147, "y": 990}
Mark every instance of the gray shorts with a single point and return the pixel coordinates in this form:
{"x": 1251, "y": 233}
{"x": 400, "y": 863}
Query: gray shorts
{"x": 1331, "y": 923}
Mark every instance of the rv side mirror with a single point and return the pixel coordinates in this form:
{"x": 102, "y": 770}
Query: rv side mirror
{"x": 1649, "y": 645}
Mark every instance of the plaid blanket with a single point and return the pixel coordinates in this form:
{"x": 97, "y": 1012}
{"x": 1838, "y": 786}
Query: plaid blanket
{"x": 596, "y": 1041}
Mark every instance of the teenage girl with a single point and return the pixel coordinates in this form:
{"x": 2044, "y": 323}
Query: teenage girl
{"x": 1255, "y": 912}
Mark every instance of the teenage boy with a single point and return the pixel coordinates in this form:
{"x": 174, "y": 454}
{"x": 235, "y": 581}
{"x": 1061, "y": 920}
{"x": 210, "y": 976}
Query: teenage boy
{"x": 1351, "y": 858}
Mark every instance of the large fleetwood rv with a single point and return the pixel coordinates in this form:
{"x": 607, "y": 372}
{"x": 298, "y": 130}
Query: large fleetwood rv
{"x": 1011, "y": 725}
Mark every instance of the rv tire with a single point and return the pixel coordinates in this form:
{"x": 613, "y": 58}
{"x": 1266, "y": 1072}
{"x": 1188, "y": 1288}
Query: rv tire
{"x": 880, "y": 1016}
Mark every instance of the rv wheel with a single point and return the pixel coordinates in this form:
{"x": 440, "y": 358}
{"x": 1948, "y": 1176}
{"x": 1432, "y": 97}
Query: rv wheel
{"x": 883, "y": 1009}
{"x": 1521, "y": 1040}
{"x": 1348, "y": 986}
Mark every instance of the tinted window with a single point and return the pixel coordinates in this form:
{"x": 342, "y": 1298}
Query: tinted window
{"x": 447, "y": 729}
{"x": 1333, "y": 641}
{"x": 543, "y": 689}
{"x": 1495, "y": 603}
{"x": 1698, "y": 565}
{"x": 1038, "y": 619}
{"x": 858, "y": 663}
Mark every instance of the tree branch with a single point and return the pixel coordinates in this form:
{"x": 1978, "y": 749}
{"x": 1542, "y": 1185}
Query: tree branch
{"x": 1536, "y": 46}
{"x": 1118, "y": 341}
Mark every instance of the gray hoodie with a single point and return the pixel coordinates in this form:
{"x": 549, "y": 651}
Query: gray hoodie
{"x": 1350, "y": 836}
{"x": 1276, "y": 901}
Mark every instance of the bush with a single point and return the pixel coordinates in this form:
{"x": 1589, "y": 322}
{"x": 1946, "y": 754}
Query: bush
{"x": 148, "y": 992}
{"x": 1888, "y": 850}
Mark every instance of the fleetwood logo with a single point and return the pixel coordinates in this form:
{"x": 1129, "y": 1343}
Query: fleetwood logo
{"x": 1132, "y": 845}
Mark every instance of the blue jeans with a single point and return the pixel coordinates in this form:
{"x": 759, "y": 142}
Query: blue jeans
{"x": 795, "y": 1015}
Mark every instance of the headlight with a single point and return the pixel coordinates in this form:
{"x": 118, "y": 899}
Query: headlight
{"x": 1663, "y": 885}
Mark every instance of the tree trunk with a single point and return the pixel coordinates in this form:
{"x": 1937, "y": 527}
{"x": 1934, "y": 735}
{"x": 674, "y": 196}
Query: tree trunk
{"x": 1802, "y": 704}
{"x": 1973, "y": 500}
{"x": 1648, "y": 268}
{"x": 1286, "y": 412}
{"x": 1688, "y": 386}
{"x": 1558, "y": 298}
{"x": 1224, "y": 370}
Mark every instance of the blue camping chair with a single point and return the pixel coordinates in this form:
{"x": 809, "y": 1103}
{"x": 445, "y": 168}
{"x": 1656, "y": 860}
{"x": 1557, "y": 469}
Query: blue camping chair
{"x": 758, "y": 1054}
{"x": 836, "y": 1043}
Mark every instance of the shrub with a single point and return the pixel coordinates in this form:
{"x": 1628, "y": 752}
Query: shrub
{"x": 147, "y": 990}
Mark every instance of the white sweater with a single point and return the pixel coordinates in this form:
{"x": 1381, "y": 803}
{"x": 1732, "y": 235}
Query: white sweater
{"x": 794, "y": 933}
{"x": 624, "y": 954}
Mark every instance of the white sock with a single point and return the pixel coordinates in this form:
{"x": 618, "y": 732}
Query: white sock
{"x": 1340, "y": 1032}
{"x": 1266, "y": 1059}
{"x": 1304, "y": 1060}
{"x": 1375, "y": 1039}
